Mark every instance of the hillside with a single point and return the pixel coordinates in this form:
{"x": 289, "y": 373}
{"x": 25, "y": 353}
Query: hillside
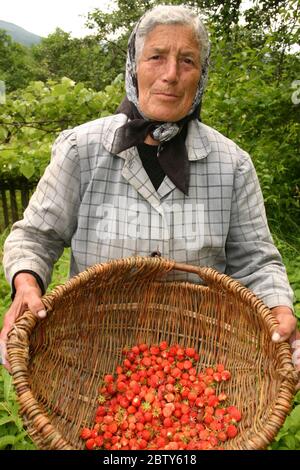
{"x": 19, "y": 34}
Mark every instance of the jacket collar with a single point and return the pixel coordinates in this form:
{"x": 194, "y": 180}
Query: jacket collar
{"x": 197, "y": 141}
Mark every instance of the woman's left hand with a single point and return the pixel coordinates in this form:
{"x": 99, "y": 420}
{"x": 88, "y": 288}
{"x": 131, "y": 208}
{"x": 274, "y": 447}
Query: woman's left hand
{"x": 287, "y": 330}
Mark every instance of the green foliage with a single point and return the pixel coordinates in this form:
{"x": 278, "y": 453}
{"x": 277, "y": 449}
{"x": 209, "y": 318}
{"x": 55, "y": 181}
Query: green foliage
{"x": 12, "y": 434}
{"x": 84, "y": 60}
{"x": 17, "y": 67}
{"x": 246, "y": 102}
{"x": 32, "y": 118}
{"x": 288, "y": 437}
{"x": 293, "y": 270}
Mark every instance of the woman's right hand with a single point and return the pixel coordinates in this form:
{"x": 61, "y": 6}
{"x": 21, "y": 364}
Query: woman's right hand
{"x": 28, "y": 297}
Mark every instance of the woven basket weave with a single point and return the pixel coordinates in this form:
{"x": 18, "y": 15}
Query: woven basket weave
{"x": 58, "y": 363}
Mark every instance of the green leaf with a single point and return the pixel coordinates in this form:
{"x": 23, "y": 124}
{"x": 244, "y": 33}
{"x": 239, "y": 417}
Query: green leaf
{"x": 7, "y": 440}
{"x": 7, "y": 385}
{"x": 290, "y": 441}
{"x": 24, "y": 445}
{"x": 6, "y": 419}
{"x": 11, "y": 440}
{"x": 27, "y": 169}
{"x": 295, "y": 417}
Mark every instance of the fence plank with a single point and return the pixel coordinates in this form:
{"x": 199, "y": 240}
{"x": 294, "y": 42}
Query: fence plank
{"x": 5, "y": 208}
{"x": 24, "y": 197}
{"x": 15, "y": 196}
{"x": 13, "y": 204}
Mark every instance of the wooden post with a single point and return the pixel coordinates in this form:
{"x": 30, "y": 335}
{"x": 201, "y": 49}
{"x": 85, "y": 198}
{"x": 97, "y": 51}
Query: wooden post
{"x": 5, "y": 208}
{"x": 24, "y": 195}
{"x": 13, "y": 204}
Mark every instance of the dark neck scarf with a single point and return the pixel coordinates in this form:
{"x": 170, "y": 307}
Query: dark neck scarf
{"x": 172, "y": 153}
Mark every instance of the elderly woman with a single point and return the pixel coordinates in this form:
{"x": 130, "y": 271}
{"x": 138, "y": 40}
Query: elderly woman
{"x": 150, "y": 178}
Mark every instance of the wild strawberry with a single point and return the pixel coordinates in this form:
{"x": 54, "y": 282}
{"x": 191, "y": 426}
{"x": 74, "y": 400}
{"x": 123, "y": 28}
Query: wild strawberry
{"x": 209, "y": 391}
{"x": 213, "y": 441}
{"x": 200, "y": 401}
{"x": 148, "y": 416}
{"x": 149, "y": 397}
{"x": 175, "y": 372}
{"x": 220, "y": 367}
{"x": 169, "y": 397}
{"x": 108, "y": 379}
{"x": 187, "y": 365}
{"x": 121, "y": 386}
{"x": 222, "y": 436}
{"x": 113, "y": 427}
{"x": 85, "y": 433}
{"x": 90, "y": 444}
{"x": 157, "y": 390}
{"x": 222, "y": 396}
{"x": 163, "y": 345}
{"x": 217, "y": 376}
{"x": 99, "y": 441}
{"x": 190, "y": 352}
{"x": 136, "y": 401}
{"x": 192, "y": 396}
{"x": 208, "y": 419}
{"x": 231, "y": 431}
{"x": 225, "y": 375}
{"x": 234, "y": 413}
{"x": 168, "y": 410}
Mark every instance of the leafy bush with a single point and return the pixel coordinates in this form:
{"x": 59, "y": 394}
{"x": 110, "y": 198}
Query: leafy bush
{"x": 32, "y": 118}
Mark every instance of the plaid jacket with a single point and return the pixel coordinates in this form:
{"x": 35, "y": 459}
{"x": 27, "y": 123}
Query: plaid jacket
{"x": 105, "y": 207}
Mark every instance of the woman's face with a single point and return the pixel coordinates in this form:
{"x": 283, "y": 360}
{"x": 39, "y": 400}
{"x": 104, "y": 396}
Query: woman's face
{"x": 168, "y": 72}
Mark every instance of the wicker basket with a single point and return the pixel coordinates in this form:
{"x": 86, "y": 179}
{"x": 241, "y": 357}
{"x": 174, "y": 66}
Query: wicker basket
{"x": 57, "y": 363}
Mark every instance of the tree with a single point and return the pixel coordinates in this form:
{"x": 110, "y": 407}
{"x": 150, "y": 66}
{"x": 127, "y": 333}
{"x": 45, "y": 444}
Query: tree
{"x": 81, "y": 60}
{"x": 17, "y": 67}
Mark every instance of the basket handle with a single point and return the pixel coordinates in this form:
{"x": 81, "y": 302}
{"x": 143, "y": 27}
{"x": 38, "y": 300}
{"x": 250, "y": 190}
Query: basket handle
{"x": 212, "y": 278}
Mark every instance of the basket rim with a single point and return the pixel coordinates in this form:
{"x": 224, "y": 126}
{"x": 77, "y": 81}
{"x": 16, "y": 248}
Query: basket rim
{"x": 19, "y": 337}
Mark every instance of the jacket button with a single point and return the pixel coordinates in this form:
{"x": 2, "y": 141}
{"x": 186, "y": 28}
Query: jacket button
{"x": 156, "y": 253}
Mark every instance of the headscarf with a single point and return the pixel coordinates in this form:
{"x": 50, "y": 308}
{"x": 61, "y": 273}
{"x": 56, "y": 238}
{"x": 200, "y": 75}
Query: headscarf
{"x": 172, "y": 152}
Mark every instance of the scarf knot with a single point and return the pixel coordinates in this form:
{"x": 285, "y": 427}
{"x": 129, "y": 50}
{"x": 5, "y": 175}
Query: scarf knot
{"x": 165, "y": 132}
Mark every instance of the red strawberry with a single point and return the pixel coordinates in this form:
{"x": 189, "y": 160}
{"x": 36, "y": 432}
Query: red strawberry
{"x": 85, "y": 433}
{"x": 231, "y": 431}
{"x": 90, "y": 444}
{"x": 168, "y": 410}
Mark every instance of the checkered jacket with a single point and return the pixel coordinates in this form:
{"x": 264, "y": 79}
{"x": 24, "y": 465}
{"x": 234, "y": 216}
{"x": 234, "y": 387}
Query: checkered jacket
{"x": 104, "y": 206}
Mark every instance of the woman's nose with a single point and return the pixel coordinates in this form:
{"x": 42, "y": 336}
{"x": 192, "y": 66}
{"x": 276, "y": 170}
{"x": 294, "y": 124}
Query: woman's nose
{"x": 170, "y": 73}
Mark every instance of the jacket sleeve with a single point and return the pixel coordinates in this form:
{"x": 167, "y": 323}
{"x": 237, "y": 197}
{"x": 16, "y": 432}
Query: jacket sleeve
{"x": 251, "y": 255}
{"x": 37, "y": 241}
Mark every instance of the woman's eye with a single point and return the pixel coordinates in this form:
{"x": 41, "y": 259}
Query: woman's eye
{"x": 188, "y": 61}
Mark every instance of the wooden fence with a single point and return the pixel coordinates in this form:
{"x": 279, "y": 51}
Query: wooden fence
{"x": 14, "y": 198}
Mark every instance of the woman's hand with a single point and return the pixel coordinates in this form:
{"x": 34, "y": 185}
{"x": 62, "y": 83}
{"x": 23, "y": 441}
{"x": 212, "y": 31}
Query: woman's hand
{"x": 287, "y": 330}
{"x": 28, "y": 297}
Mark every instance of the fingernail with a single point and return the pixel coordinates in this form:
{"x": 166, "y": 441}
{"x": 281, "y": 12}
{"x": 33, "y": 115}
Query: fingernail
{"x": 276, "y": 337}
{"x": 42, "y": 314}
